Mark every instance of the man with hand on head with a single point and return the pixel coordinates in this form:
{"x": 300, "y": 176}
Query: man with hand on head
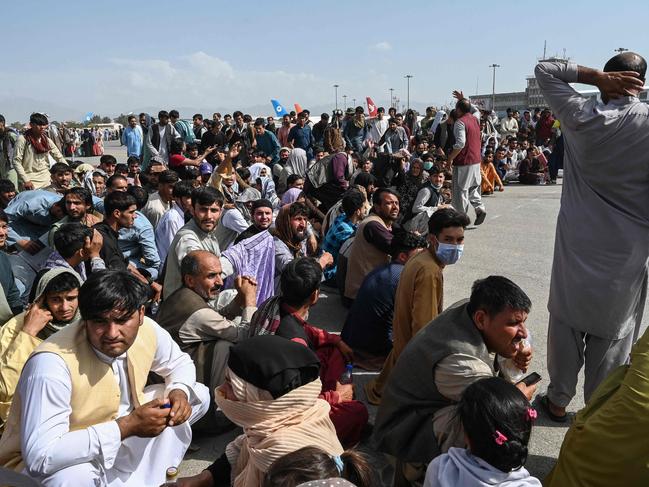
{"x": 83, "y": 415}
{"x": 599, "y": 273}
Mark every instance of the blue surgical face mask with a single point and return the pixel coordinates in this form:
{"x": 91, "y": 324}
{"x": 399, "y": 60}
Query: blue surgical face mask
{"x": 428, "y": 165}
{"x": 449, "y": 253}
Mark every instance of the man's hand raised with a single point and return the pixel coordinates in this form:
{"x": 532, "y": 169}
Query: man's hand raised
{"x": 618, "y": 83}
{"x": 146, "y": 421}
{"x": 458, "y": 95}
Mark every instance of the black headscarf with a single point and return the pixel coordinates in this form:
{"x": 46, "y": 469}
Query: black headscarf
{"x": 274, "y": 364}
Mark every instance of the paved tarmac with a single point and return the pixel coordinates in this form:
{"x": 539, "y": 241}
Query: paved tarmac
{"x": 516, "y": 241}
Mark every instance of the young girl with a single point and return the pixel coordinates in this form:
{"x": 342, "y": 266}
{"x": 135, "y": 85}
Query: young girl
{"x": 497, "y": 421}
{"x": 312, "y": 463}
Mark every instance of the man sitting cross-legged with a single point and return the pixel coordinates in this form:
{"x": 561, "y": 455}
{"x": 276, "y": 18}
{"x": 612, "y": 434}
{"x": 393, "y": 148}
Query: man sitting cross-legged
{"x": 200, "y": 330}
{"x": 82, "y": 415}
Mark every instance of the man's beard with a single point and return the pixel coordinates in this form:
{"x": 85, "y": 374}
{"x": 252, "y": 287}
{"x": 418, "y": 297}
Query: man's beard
{"x": 299, "y": 238}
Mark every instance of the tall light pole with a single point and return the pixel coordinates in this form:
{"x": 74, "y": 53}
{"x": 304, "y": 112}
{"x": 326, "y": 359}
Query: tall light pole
{"x": 620, "y": 49}
{"x": 336, "y": 88}
{"x": 345, "y": 101}
{"x": 354, "y": 102}
{"x": 493, "y": 86}
{"x": 391, "y": 97}
{"x": 408, "y": 76}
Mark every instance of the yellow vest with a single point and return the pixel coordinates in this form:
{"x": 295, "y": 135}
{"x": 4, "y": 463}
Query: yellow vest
{"x": 90, "y": 378}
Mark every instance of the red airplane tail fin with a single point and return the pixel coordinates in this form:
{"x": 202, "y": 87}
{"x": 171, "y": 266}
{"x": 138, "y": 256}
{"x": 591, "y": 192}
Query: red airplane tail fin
{"x": 371, "y": 107}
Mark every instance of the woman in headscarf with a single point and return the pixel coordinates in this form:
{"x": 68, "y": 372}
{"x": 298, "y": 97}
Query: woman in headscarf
{"x": 266, "y": 187}
{"x": 53, "y": 306}
{"x": 88, "y": 142}
{"x": 296, "y": 163}
{"x": 271, "y": 390}
{"x": 408, "y": 189}
{"x": 412, "y": 123}
{"x": 291, "y": 196}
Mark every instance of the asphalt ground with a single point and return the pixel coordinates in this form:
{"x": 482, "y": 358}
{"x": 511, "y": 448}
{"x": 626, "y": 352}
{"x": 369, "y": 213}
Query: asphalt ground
{"x": 516, "y": 241}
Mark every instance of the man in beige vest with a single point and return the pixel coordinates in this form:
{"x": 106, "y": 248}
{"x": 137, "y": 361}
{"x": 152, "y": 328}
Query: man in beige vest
{"x": 371, "y": 245}
{"x": 82, "y": 415}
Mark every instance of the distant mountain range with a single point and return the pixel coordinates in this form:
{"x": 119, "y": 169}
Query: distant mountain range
{"x": 19, "y": 109}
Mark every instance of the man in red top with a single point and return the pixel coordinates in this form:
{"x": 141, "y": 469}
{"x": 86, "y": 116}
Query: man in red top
{"x": 465, "y": 159}
{"x": 300, "y": 286}
{"x": 544, "y": 127}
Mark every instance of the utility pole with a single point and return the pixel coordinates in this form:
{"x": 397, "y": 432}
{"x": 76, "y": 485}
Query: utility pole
{"x": 408, "y": 76}
{"x": 336, "y": 88}
{"x": 391, "y": 97}
{"x": 345, "y": 101}
{"x": 493, "y": 86}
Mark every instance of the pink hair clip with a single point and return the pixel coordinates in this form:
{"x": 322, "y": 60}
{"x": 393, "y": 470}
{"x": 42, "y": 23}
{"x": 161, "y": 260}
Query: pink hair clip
{"x": 531, "y": 414}
{"x": 499, "y": 438}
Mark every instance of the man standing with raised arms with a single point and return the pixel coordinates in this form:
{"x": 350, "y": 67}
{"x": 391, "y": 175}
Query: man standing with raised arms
{"x": 599, "y": 273}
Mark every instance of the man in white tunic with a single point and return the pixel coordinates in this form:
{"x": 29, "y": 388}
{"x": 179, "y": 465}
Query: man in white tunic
{"x": 599, "y": 272}
{"x": 82, "y": 415}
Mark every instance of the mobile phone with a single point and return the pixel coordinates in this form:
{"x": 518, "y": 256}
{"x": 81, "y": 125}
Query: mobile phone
{"x": 531, "y": 379}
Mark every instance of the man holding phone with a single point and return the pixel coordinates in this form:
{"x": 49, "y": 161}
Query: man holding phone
{"x": 82, "y": 404}
{"x": 458, "y": 347}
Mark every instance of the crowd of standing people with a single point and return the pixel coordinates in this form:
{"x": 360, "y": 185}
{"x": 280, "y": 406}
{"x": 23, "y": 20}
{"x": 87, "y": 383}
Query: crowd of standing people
{"x": 167, "y": 295}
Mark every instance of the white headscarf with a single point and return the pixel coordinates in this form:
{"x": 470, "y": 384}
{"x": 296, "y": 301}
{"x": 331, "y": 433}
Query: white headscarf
{"x": 297, "y": 162}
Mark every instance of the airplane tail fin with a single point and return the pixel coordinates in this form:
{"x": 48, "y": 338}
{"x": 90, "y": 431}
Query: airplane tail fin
{"x": 371, "y": 107}
{"x": 279, "y": 110}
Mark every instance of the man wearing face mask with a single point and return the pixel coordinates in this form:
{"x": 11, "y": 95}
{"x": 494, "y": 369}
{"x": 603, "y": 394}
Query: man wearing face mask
{"x": 420, "y": 293}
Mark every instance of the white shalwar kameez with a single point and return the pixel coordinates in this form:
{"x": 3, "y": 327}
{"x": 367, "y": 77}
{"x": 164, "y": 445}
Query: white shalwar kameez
{"x": 96, "y": 456}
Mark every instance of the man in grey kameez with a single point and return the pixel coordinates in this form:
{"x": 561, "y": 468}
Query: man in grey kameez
{"x": 599, "y": 274}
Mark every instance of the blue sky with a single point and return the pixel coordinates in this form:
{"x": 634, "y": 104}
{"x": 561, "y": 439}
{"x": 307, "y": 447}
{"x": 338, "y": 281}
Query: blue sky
{"x": 118, "y": 56}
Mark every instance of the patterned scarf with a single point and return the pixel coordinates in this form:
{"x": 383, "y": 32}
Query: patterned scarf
{"x": 266, "y": 319}
{"x": 39, "y": 142}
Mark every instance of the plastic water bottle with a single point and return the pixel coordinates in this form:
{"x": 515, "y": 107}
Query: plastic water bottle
{"x": 347, "y": 377}
{"x": 507, "y": 366}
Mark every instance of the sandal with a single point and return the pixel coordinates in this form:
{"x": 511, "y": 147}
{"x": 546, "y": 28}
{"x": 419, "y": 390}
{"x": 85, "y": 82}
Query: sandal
{"x": 543, "y": 401}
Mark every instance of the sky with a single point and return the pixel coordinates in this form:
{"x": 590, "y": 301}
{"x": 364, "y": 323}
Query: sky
{"x": 72, "y": 57}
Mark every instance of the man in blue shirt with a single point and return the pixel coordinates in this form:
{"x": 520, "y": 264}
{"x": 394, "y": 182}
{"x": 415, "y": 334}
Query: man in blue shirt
{"x": 133, "y": 138}
{"x": 300, "y": 136}
{"x": 343, "y": 227}
{"x": 368, "y": 327}
{"x": 267, "y": 143}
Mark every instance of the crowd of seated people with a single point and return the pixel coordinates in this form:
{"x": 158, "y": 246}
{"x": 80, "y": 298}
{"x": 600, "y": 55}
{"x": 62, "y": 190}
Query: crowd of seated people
{"x": 167, "y": 294}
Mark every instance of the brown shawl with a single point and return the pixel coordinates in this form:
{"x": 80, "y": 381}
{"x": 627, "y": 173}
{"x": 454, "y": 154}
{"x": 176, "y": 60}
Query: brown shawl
{"x": 40, "y": 143}
{"x": 273, "y": 427}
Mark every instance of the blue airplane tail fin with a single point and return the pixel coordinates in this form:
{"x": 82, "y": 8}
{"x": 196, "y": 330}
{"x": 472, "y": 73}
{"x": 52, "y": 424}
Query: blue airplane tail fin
{"x": 280, "y": 111}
